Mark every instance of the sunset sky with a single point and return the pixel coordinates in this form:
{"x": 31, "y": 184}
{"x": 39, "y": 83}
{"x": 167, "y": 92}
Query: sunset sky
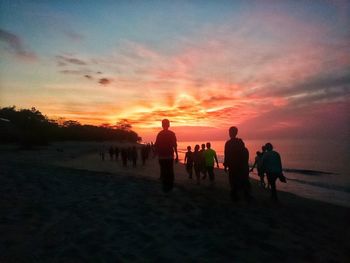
{"x": 272, "y": 68}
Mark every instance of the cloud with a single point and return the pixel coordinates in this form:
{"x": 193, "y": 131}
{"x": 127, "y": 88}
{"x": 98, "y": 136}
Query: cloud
{"x": 15, "y": 46}
{"x": 104, "y": 81}
{"x": 71, "y": 72}
{"x": 76, "y": 37}
{"x": 64, "y": 60}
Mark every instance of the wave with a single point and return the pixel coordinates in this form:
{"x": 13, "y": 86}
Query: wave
{"x": 286, "y": 170}
{"x": 323, "y": 185}
{"x": 307, "y": 172}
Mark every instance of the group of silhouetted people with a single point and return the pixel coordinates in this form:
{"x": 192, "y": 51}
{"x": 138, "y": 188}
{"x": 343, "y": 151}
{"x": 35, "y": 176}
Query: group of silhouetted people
{"x": 201, "y": 161}
{"x": 128, "y": 154}
{"x": 236, "y": 163}
{"x": 269, "y": 162}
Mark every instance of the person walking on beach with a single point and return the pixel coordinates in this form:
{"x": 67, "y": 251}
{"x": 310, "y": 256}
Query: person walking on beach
{"x": 210, "y": 157}
{"x": 236, "y": 161}
{"x": 259, "y": 166}
{"x": 203, "y": 168}
{"x": 272, "y": 164}
{"x": 111, "y": 153}
{"x": 102, "y": 155}
{"x": 165, "y": 146}
{"x": 197, "y": 163}
{"x": 124, "y": 155}
{"x": 134, "y": 156}
{"x": 116, "y": 153}
{"x": 189, "y": 162}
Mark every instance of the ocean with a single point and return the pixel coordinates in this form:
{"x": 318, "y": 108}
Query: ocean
{"x": 316, "y": 169}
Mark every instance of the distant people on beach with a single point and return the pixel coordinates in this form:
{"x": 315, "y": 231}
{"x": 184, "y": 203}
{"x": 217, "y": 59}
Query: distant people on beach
{"x": 236, "y": 161}
{"x": 272, "y": 165}
{"x": 145, "y": 152}
{"x": 116, "y": 153}
{"x": 124, "y": 156}
{"x": 134, "y": 155}
{"x": 210, "y": 157}
{"x": 111, "y": 153}
{"x": 189, "y": 162}
{"x": 165, "y": 146}
{"x": 259, "y": 166}
{"x": 102, "y": 155}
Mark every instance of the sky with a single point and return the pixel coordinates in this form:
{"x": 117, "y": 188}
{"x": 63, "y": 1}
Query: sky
{"x": 274, "y": 69}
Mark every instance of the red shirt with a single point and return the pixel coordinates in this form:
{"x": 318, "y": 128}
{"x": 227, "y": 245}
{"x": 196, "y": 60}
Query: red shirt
{"x": 165, "y": 144}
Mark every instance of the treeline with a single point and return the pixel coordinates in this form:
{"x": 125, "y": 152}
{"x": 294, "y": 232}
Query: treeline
{"x": 30, "y": 127}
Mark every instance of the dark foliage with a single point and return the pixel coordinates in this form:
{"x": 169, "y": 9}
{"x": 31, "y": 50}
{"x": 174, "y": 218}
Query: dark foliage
{"x": 31, "y": 127}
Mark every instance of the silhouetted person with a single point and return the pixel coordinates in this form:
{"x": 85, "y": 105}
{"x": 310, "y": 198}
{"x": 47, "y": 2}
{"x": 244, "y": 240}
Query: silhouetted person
{"x": 165, "y": 146}
{"x": 259, "y": 166}
{"x": 210, "y": 157}
{"x": 102, "y": 155}
{"x": 203, "y": 167}
{"x": 134, "y": 156}
{"x": 273, "y": 166}
{"x": 124, "y": 155}
{"x": 144, "y": 153}
{"x": 111, "y": 153}
{"x": 129, "y": 154}
{"x": 236, "y": 161}
{"x": 197, "y": 163}
{"x": 189, "y": 161}
{"x": 116, "y": 153}
{"x": 263, "y": 151}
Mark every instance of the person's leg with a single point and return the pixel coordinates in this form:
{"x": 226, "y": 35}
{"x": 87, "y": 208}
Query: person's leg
{"x": 167, "y": 174}
{"x": 162, "y": 167}
{"x": 272, "y": 181}
{"x": 189, "y": 171}
{"x": 246, "y": 188}
{"x": 210, "y": 170}
{"x": 233, "y": 184}
{"x": 262, "y": 181}
{"x": 197, "y": 171}
{"x": 204, "y": 171}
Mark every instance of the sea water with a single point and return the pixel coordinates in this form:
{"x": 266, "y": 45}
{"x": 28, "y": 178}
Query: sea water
{"x": 317, "y": 169}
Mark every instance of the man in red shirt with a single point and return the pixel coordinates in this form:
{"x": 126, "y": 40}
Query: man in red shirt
{"x": 165, "y": 146}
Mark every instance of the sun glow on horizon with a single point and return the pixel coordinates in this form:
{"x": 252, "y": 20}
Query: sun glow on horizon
{"x": 205, "y": 66}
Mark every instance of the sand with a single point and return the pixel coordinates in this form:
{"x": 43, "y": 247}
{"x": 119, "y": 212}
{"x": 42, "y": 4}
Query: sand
{"x": 63, "y": 204}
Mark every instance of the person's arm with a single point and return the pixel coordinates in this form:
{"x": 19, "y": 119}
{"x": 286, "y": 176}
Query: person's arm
{"x": 225, "y": 157}
{"x": 175, "y": 149}
{"x": 186, "y": 159}
{"x": 255, "y": 163}
{"x": 216, "y": 159}
{"x": 177, "y": 156}
{"x": 279, "y": 162}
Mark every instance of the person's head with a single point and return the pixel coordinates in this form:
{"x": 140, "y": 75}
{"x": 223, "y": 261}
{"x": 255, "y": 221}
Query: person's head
{"x": 165, "y": 124}
{"x": 233, "y": 132}
{"x": 208, "y": 145}
{"x": 203, "y": 146}
{"x": 268, "y": 147}
{"x": 196, "y": 148}
{"x": 188, "y": 148}
{"x": 258, "y": 153}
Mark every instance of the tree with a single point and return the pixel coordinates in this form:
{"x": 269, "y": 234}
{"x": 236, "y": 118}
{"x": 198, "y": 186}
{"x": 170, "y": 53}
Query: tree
{"x": 124, "y": 125}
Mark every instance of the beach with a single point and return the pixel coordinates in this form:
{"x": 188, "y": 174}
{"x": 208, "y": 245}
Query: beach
{"x": 62, "y": 203}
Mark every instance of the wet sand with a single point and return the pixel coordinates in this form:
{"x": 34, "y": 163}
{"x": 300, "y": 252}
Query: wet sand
{"x": 63, "y": 204}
